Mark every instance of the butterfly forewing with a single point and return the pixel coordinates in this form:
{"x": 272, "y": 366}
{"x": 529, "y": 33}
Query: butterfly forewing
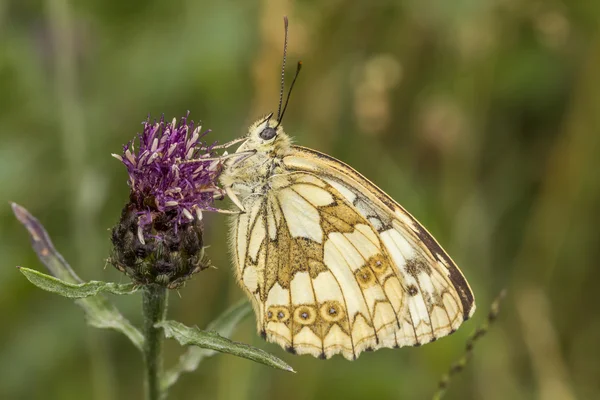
{"x": 385, "y": 214}
{"x": 439, "y": 299}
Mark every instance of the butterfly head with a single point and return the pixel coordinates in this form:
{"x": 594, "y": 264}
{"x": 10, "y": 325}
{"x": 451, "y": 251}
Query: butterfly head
{"x": 266, "y": 136}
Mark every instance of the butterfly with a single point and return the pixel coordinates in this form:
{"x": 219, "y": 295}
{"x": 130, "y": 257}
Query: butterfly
{"x": 332, "y": 264}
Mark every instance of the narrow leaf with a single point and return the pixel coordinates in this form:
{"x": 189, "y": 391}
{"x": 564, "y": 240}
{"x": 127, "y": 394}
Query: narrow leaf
{"x": 75, "y": 290}
{"x": 100, "y": 313}
{"x": 213, "y": 341}
{"x": 224, "y": 326}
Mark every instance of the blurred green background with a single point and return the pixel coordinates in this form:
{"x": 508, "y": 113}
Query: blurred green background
{"x": 480, "y": 117}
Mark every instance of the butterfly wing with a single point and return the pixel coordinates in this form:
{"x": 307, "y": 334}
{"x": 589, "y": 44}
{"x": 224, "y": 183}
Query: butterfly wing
{"x": 391, "y": 221}
{"x": 332, "y": 268}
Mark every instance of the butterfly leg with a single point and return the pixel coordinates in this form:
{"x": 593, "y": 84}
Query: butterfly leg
{"x": 220, "y": 195}
{"x": 229, "y": 144}
{"x": 234, "y": 198}
{"x": 242, "y": 155}
{"x": 228, "y": 212}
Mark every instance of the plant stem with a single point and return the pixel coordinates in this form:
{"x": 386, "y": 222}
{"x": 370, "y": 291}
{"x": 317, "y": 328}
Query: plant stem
{"x": 154, "y": 305}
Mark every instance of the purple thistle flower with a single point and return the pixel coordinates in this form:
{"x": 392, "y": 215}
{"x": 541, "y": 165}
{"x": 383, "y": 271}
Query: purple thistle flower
{"x": 159, "y": 177}
{"x": 172, "y": 179}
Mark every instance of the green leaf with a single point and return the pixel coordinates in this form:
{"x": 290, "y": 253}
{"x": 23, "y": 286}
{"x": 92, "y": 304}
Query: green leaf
{"x": 75, "y": 290}
{"x": 224, "y": 326}
{"x": 99, "y": 312}
{"x": 213, "y": 341}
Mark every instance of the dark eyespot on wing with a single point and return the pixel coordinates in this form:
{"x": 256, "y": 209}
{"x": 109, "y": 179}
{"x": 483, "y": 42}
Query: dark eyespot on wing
{"x": 412, "y": 290}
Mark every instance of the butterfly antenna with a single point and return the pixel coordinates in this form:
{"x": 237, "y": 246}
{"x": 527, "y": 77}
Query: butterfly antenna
{"x": 287, "y": 100}
{"x": 285, "y": 42}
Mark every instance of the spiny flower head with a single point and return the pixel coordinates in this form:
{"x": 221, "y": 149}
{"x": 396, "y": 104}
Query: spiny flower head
{"x": 172, "y": 179}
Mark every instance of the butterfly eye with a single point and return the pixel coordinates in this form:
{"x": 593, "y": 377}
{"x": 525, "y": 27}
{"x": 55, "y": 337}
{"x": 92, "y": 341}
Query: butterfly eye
{"x": 268, "y": 133}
